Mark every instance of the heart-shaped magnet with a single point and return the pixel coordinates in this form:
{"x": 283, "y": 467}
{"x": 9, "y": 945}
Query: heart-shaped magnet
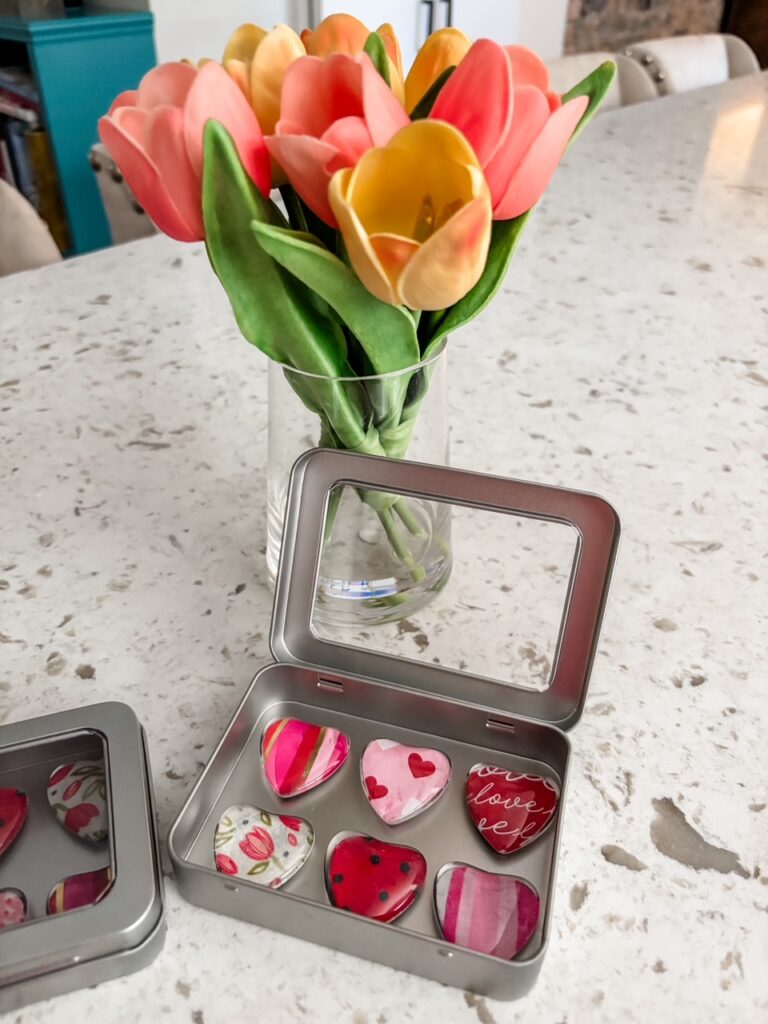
{"x": 77, "y": 792}
{"x": 509, "y": 809}
{"x": 372, "y": 878}
{"x": 261, "y": 847}
{"x": 80, "y": 890}
{"x": 13, "y": 907}
{"x": 401, "y": 782}
{"x": 14, "y": 807}
{"x": 298, "y": 755}
{"x": 490, "y": 913}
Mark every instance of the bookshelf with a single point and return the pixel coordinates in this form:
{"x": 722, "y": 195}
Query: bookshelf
{"x": 79, "y": 61}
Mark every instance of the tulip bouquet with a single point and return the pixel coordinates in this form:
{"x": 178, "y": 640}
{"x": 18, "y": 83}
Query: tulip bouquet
{"x": 402, "y": 198}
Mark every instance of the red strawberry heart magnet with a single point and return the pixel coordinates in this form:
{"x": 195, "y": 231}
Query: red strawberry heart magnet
{"x": 401, "y": 782}
{"x": 374, "y": 879}
{"x": 14, "y": 807}
{"x": 493, "y": 914}
{"x": 509, "y": 809}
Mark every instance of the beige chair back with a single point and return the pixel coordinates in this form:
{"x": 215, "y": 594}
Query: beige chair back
{"x": 682, "y": 63}
{"x": 632, "y": 83}
{"x": 127, "y": 220}
{"x": 25, "y": 241}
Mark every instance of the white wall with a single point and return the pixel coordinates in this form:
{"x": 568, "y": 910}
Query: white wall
{"x": 201, "y": 28}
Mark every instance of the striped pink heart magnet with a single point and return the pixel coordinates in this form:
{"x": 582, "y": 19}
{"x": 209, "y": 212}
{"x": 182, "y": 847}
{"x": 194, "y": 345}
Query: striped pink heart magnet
{"x": 298, "y": 756}
{"x": 480, "y": 910}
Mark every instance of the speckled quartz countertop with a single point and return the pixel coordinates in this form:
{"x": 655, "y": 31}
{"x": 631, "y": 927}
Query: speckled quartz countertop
{"x": 626, "y": 356}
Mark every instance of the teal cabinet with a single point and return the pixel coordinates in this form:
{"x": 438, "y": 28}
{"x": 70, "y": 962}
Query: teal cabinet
{"x": 81, "y": 61}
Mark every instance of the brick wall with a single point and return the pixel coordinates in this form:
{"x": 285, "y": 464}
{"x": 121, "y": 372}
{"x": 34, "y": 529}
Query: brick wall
{"x": 613, "y": 24}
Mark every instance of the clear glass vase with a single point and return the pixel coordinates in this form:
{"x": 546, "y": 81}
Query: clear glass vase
{"x": 384, "y": 556}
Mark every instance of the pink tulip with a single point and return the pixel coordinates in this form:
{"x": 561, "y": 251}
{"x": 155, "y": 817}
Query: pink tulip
{"x": 331, "y": 112}
{"x": 499, "y": 98}
{"x": 155, "y": 136}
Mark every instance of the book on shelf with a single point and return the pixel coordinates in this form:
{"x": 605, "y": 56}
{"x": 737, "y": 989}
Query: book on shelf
{"x": 18, "y": 84}
{"x": 50, "y": 204}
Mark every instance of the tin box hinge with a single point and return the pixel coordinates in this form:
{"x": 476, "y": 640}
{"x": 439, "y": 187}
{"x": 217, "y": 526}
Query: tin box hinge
{"x": 500, "y": 725}
{"x": 330, "y": 685}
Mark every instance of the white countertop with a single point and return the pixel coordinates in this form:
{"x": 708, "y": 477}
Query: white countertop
{"x": 626, "y": 355}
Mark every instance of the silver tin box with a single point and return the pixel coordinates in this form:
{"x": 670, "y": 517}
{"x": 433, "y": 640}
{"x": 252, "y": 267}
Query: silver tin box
{"x": 123, "y": 932}
{"x": 370, "y": 695}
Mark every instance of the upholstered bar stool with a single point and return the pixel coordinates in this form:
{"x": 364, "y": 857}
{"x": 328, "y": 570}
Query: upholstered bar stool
{"x": 127, "y": 220}
{"x": 632, "y": 83}
{"x": 681, "y": 63}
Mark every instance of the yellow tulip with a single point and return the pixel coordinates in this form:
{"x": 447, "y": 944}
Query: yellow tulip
{"x": 443, "y": 48}
{"x": 343, "y": 33}
{"x": 415, "y": 216}
{"x": 257, "y": 60}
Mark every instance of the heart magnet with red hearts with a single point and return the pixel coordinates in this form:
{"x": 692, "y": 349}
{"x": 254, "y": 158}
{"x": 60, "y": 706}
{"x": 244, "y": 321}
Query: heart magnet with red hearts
{"x": 400, "y": 781}
{"x": 510, "y": 809}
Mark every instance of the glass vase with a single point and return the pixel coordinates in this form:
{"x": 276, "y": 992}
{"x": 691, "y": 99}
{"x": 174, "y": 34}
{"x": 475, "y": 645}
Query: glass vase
{"x": 384, "y": 556}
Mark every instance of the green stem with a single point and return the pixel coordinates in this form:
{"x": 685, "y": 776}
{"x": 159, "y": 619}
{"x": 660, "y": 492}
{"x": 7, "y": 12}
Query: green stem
{"x": 409, "y": 519}
{"x": 401, "y": 549}
{"x": 293, "y": 207}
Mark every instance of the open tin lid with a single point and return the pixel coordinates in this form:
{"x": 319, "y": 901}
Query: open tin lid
{"x": 512, "y": 536}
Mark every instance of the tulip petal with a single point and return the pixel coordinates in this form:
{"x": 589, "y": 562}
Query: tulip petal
{"x": 165, "y": 147}
{"x": 393, "y": 252}
{"x": 132, "y": 122}
{"x": 540, "y": 162}
{"x": 145, "y": 181}
{"x": 478, "y": 99}
{"x": 383, "y": 112}
{"x": 444, "y": 48}
{"x": 215, "y": 96}
{"x": 128, "y": 98}
{"x": 451, "y": 261}
{"x": 277, "y": 51}
{"x": 338, "y": 33}
{"x": 528, "y": 68}
{"x": 531, "y": 113}
{"x": 305, "y": 159}
{"x": 361, "y": 254}
{"x": 316, "y": 92}
{"x": 391, "y": 45}
{"x": 243, "y": 43}
{"x": 350, "y": 136}
{"x": 166, "y": 85}
{"x": 239, "y": 72}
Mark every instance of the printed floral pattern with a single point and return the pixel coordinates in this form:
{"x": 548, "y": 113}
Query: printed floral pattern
{"x": 78, "y": 795}
{"x": 264, "y": 848}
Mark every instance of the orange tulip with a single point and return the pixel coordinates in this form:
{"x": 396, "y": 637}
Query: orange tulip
{"x": 258, "y": 60}
{"x": 415, "y": 216}
{"x": 333, "y": 111}
{"x": 342, "y": 33}
{"x": 155, "y": 136}
{"x": 445, "y": 48}
{"x": 500, "y": 99}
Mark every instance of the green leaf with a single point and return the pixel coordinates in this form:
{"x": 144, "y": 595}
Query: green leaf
{"x": 258, "y": 868}
{"x": 386, "y": 333}
{"x": 374, "y": 47}
{"x": 424, "y": 107}
{"x": 505, "y": 235}
{"x": 275, "y": 311}
{"x": 272, "y": 309}
{"x": 595, "y": 86}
